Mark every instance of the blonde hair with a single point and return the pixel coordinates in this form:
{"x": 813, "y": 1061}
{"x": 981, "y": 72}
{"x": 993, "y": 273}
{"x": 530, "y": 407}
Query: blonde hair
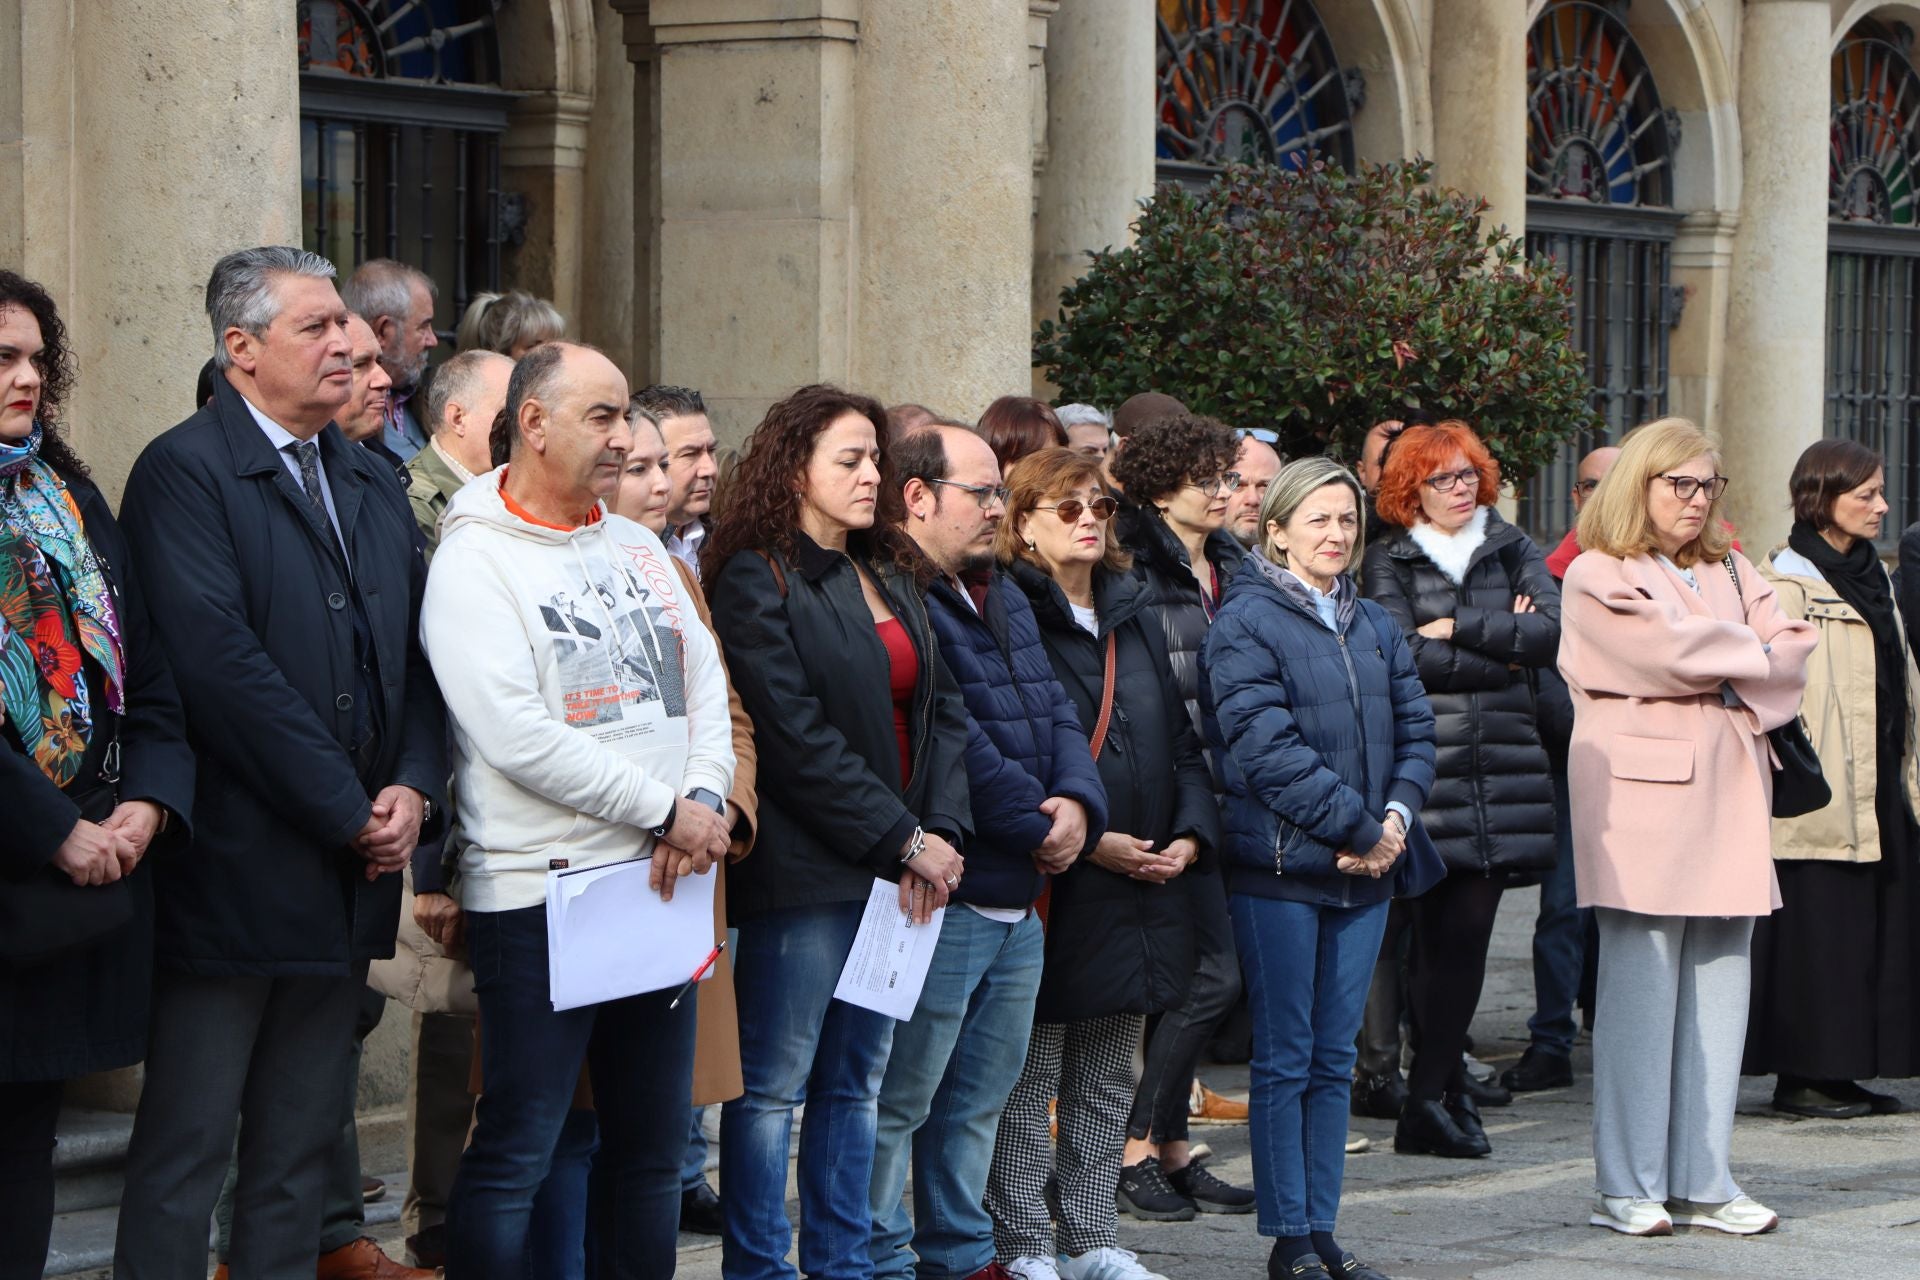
{"x": 1298, "y": 481}
{"x": 502, "y": 321}
{"x": 1616, "y": 521}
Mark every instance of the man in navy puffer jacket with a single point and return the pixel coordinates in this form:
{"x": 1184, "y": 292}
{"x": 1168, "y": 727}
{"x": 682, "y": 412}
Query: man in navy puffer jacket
{"x": 1038, "y": 805}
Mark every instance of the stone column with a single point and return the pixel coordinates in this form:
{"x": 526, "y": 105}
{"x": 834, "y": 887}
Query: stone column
{"x": 945, "y": 171}
{"x": 543, "y": 157}
{"x": 1100, "y": 127}
{"x": 36, "y": 141}
{"x": 179, "y": 108}
{"x": 605, "y": 315}
{"x": 1773, "y": 397}
{"x": 1479, "y": 82}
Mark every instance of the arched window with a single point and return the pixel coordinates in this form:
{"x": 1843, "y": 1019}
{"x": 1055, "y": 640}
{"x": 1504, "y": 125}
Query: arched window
{"x": 1249, "y": 80}
{"x": 401, "y": 119}
{"x": 1600, "y": 188}
{"x": 1873, "y": 257}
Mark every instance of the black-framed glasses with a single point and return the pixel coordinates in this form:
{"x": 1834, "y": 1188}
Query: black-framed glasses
{"x": 1071, "y": 509}
{"x": 1685, "y": 487}
{"x": 1213, "y": 487}
{"x": 1447, "y": 481}
{"x": 984, "y": 494}
{"x": 1586, "y": 486}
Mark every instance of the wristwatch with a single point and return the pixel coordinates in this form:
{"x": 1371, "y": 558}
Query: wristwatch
{"x": 703, "y": 795}
{"x": 660, "y": 832}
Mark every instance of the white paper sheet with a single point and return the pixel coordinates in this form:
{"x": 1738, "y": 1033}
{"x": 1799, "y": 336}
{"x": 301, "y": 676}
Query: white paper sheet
{"x": 888, "y": 964}
{"x": 609, "y": 935}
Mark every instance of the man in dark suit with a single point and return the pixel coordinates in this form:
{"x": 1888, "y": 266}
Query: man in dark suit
{"x": 285, "y": 584}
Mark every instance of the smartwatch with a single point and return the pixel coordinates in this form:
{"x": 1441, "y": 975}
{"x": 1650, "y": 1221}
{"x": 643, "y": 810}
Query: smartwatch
{"x": 705, "y": 796}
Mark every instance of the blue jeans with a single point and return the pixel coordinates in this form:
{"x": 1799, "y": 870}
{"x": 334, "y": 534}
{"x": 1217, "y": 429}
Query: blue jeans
{"x": 1307, "y": 971}
{"x": 953, "y": 1066}
{"x": 799, "y": 1044}
{"x": 640, "y": 1056}
{"x": 557, "y": 1233}
{"x": 693, "y": 1165}
{"x": 1559, "y": 941}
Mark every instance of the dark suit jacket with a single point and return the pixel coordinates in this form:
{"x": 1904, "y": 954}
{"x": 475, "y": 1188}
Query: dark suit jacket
{"x": 251, "y": 600}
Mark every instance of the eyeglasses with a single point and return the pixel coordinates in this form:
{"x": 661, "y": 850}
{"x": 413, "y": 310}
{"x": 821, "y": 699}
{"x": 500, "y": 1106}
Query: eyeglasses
{"x": 1446, "y": 481}
{"x": 1228, "y": 482}
{"x": 1585, "y": 486}
{"x": 1071, "y": 509}
{"x": 984, "y": 494}
{"x": 1685, "y": 487}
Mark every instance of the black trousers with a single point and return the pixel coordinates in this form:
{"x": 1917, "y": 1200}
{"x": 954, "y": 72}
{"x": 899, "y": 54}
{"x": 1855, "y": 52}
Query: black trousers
{"x": 1176, "y": 1038}
{"x": 1386, "y": 998}
{"x": 1452, "y": 926}
{"x": 28, "y": 1113}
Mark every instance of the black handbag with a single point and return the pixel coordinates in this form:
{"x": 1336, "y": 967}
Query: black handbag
{"x": 46, "y": 915}
{"x": 1798, "y": 784}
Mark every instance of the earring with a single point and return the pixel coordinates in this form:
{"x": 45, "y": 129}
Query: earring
{"x": 1030, "y": 545}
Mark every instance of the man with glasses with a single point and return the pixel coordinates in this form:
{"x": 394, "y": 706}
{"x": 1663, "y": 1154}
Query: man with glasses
{"x": 1038, "y": 805}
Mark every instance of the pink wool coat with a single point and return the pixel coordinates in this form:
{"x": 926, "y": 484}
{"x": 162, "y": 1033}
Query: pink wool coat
{"x": 1671, "y": 789}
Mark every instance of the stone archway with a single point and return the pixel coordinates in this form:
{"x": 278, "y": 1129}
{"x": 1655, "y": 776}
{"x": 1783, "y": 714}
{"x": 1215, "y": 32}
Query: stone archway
{"x": 1381, "y": 39}
{"x": 1848, "y": 13}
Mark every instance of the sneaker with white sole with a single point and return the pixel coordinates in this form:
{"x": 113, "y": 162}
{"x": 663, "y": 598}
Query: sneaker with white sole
{"x": 1034, "y": 1269}
{"x": 1740, "y": 1216}
{"x": 1358, "y": 1142}
{"x": 1632, "y": 1217}
{"x": 1107, "y": 1264}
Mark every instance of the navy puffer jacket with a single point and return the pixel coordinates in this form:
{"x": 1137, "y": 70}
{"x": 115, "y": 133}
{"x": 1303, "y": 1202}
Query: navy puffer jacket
{"x": 1315, "y": 731}
{"x": 1024, "y": 740}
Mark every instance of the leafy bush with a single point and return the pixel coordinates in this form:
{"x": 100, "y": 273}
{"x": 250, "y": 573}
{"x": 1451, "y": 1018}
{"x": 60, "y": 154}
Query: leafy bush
{"x": 1316, "y": 302}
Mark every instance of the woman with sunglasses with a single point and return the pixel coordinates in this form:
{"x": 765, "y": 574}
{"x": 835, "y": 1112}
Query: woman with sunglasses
{"x": 1177, "y": 475}
{"x": 1679, "y": 660}
{"x": 1119, "y": 942}
{"x": 1481, "y": 614}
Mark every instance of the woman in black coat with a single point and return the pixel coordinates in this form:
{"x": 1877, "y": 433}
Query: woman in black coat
{"x": 862, "y": 735}
{"x": 93, "y": 774}
{"x": 1482, "y": 615}
{"x": 1119, "y": 928}
{"x": 1175, "y": 471}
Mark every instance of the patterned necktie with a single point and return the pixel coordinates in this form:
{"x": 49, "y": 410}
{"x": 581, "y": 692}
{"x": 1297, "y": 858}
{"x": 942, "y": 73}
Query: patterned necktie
{"x": 308, "y": 454}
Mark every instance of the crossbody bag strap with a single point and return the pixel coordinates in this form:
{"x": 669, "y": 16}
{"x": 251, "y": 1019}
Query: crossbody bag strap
{"x": 1101, "y": 725}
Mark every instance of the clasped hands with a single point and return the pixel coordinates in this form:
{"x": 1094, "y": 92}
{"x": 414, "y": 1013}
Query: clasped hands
{"x": 1379, "y": 859}
{"x": 391, "y": 831}
{"x": 96, "y": 853}
{"x": 697, "y": 839}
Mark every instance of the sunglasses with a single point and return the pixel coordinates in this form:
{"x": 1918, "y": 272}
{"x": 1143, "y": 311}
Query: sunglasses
{"x": 1071, "y": 509}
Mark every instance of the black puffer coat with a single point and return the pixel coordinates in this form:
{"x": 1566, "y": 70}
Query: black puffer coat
{"x": 1491, "y": 808}
{"x": 1161, "y": 564}
{"x": 1117, "y": 945}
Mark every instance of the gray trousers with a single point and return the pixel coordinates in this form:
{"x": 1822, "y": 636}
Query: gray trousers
{"x": 1670, "y": 1024}
{"x": 272, "y": 1051}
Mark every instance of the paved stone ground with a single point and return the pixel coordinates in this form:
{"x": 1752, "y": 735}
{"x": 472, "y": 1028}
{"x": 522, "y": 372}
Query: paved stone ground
{"x": 1848, "y": 1192}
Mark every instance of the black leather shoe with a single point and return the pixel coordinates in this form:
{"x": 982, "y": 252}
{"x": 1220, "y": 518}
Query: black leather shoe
{"x": 700, "y": 1211}
{"x": 1351, "y": 1268}
{"x": 1488, "y": 1094}
{"x": 1379, "y": 1097}
{"x": 1305, "y": 1267}
{"x": 1426, "y": 1129}
{"x": 1538, "y": 1069}
{"x": 1880, "y": 1104}
{"x": 1814, "y": 1102}
{"x": 1466, "y": 1117}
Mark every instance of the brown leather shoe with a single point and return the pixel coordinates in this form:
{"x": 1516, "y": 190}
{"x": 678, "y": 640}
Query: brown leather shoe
{"x": 1204, "y": 1106}
{"x": 363, "y": 1260}
{"x": 220, "y": 1272}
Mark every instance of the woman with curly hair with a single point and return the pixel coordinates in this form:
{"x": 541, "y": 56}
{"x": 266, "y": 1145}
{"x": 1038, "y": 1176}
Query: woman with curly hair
{"x": 1481, "y": 613}
{"x": 1015, "y": 426}
{"x": 817, "y": 600}
{"x": 1177, "y": 476}
{"x": 93, "y": 769}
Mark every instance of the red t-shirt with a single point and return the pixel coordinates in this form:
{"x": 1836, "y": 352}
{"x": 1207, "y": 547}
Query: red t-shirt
{"x": 903, "y": 673}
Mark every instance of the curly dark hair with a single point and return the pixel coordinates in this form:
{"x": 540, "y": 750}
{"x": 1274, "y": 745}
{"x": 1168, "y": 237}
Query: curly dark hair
{"x": 762, "y": 510}
{"x": 1168, "y": 452}
{"x": 55, "y": 363}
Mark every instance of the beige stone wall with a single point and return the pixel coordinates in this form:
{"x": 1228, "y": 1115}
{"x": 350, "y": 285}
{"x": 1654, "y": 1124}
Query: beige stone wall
{"x": 604, "y": 314}
{"x": 1479, "y": 86}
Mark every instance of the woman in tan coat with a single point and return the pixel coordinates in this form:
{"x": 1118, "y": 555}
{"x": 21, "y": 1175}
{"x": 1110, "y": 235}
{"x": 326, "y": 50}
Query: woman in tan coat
{"x": 1834, "y": 984}
{"x": 1679, "y": 660}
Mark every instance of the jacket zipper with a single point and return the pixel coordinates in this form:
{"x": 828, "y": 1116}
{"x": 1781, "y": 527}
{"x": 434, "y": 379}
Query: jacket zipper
{"x": 1366, "y": 773}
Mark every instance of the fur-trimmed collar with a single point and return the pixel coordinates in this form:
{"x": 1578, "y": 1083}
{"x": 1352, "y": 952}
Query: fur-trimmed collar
{"x": 1452, "y": 553}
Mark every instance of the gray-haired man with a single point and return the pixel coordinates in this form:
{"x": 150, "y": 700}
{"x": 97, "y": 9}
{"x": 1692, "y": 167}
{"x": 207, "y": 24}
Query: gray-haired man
{"x": 397, "y": 301}
{"x": 284, "y": 584}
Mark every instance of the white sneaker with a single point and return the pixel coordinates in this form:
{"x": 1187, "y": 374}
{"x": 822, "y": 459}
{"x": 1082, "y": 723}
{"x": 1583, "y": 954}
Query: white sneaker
{"x": 1107, "y": 1264}
{"x": 1740, "y": 1216}
{"x": 1632, "y": 1217}
{"x": 1358, "y": 1142}
{"x": 1034, "y": 1269}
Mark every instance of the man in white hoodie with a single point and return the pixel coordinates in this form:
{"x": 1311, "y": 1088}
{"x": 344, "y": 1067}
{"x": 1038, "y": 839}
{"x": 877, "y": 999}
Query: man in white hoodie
{"x": 568, "y": 753}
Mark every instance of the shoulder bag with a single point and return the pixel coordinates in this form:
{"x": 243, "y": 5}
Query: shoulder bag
{"x": 1798, "y": 784}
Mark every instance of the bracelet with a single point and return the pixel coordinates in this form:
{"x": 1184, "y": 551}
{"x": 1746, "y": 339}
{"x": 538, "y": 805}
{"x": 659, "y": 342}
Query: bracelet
{"x": 916, "y": 846}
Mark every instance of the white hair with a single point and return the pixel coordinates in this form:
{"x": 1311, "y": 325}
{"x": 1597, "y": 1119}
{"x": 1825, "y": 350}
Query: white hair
{"x": 1074, "y": 415}
{"x": 241, "y": 293}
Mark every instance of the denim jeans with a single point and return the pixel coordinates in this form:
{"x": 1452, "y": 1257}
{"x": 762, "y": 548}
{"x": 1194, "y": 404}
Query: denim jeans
{"x": 693, "y": 1165}
{"x": 1307, "y": 970}
{"x": 557, "y": 1234}
{"x": 639, "y": 1054}
{"x": 1559, "y": 941}
{"x": 798, "y": 1044}
{"x": 953, "y": 1065}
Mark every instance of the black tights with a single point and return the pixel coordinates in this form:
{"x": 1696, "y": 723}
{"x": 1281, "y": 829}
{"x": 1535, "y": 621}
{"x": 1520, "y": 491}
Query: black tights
{"x": 28, "y": 1114}
{"x": 1452, "y": 925}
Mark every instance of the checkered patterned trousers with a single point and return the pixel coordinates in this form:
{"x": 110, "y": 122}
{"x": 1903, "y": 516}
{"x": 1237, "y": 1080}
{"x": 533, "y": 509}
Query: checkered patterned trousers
{"x": 1090, "y": 1067}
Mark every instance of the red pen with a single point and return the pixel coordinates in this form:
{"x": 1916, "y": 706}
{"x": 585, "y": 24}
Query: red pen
{"x": 699, "y": 973}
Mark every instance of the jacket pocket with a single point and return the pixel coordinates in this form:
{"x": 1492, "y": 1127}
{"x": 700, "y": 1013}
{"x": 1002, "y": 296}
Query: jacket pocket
{"x": 1638, "y": 759}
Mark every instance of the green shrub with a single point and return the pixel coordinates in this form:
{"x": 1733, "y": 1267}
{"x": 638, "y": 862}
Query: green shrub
{"x": 1316, "y": 302}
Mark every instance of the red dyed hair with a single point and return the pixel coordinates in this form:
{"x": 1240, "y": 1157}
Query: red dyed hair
{"x": 1421, "y": 451}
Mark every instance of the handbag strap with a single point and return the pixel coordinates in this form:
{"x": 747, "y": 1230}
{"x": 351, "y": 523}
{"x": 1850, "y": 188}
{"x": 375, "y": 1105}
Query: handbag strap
{"x": 1101, "y": 725}
{"x": 1735, "y": 575}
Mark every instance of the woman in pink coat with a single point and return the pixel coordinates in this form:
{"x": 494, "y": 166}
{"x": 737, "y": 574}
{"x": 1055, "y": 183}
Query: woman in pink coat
{"x": 1676, "y": 674}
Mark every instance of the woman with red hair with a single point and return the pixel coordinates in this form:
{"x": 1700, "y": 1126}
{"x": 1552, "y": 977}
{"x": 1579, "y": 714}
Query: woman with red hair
{"x": 1481, "y": 613}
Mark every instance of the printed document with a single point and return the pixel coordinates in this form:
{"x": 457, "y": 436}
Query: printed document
{"x": 890, "y": 956}
{"x": 609, "y": 935}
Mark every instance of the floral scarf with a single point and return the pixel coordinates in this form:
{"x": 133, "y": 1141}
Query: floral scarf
{"x": 55, "y": 610}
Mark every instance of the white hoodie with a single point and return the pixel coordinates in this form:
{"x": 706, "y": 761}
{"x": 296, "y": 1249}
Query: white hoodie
{"x": 583, "y": 691}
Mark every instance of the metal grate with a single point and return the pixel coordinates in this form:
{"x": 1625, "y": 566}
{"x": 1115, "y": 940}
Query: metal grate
{"x": 1873, "y": 347}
